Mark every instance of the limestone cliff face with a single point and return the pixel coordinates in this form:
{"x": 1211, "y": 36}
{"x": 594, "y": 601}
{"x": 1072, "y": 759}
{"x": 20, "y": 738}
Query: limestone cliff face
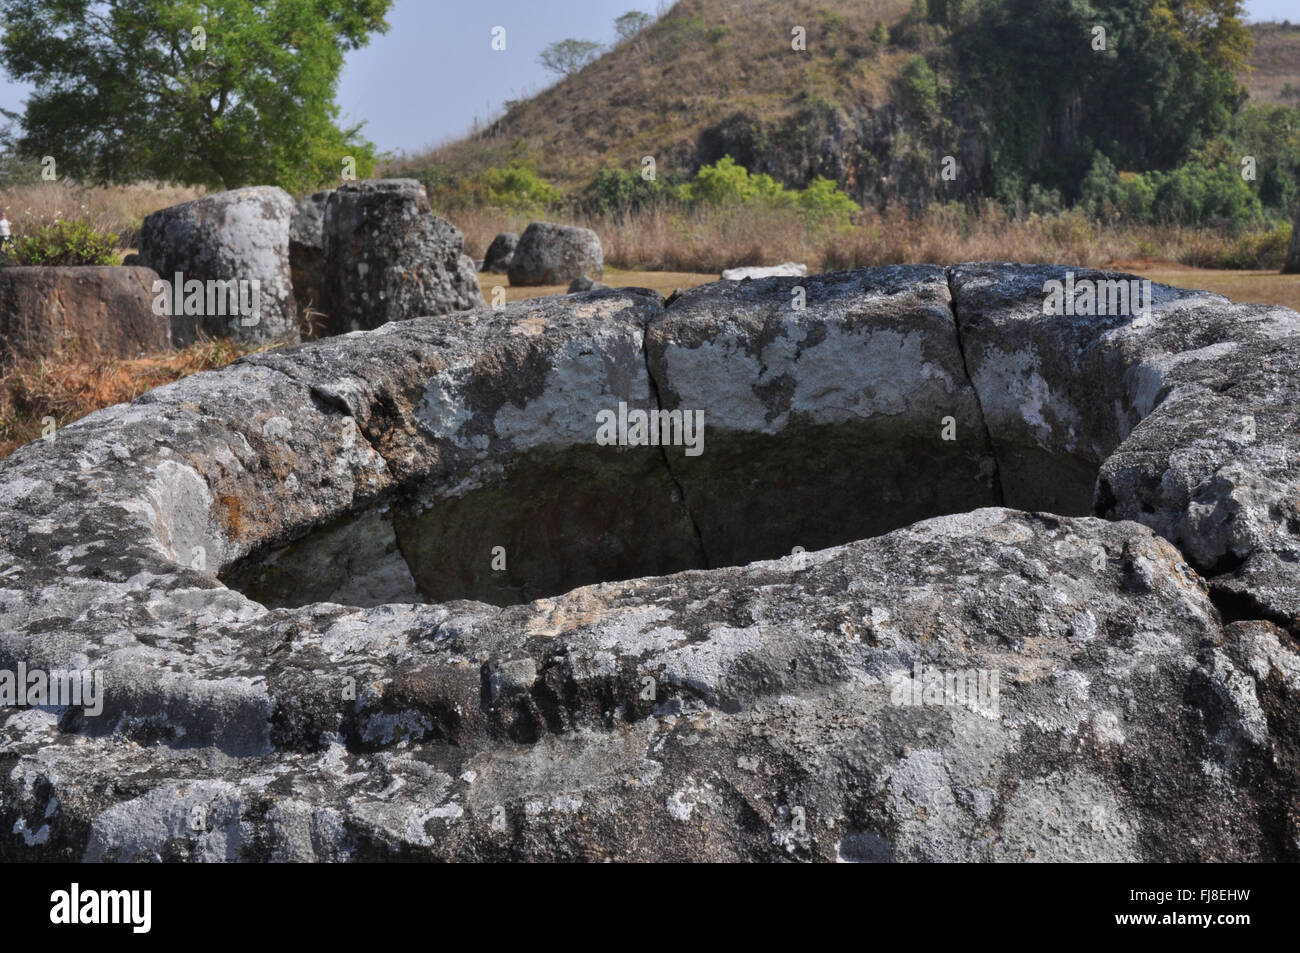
{"x": 878, "y": 154}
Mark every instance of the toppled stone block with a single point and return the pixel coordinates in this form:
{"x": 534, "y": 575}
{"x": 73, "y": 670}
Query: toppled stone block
{"x": 789, "y": 269}
{"x": 586, "y": 284}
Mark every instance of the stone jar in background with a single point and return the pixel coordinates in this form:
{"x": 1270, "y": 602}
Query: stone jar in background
{"x": 389, "y": 258}
{"x": 241, "y": 236}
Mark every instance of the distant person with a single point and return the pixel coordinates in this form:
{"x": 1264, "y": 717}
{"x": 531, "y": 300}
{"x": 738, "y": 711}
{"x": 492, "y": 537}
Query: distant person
{"x": 6, "y": 235}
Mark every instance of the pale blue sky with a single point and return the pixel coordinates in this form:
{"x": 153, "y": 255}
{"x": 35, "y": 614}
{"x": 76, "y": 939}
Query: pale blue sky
{"x": 434, "y": 72}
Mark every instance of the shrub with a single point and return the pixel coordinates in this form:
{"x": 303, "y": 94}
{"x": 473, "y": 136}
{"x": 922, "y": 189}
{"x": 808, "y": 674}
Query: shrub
{"x": 566, "y": 57}
{"x": 618, "y": 193}
{"x": 920, "y": 88}
{"x": 1264, "y": 250}
{"x": 725, "y": 182}
{"x": 1195, "y": 195}
{"x": 64, "y": 242}
{"x": 824, "y": 204}
{"x": 515, "y": 186}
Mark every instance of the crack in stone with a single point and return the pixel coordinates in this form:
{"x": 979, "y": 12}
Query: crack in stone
{"x": 1232, "y": 606}
{"x": 998, "y": 495}
{"x": 663, "y": 450}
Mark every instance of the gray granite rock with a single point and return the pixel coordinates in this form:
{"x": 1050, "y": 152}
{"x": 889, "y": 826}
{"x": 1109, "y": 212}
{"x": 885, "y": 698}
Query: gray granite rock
{"x": 499, "y": 253}
{"x": 389, "y": 258}
{"x": 789, "y": 269}
{"x": 550, "y": 254}
{"x": 286, "y": 574}
{"x": 851, "y": 382}
{"x": 1187, "y": 411}
{"x": 236, "y": 236}
{"x": 307, "y": 259}
{"x": 583, "y": 283}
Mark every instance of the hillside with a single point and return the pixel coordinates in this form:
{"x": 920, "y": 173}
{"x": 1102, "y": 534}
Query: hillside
{"x": 718, "y": 77}
{"x": 1275, "y": 63}
{"x": 704, "y": 68}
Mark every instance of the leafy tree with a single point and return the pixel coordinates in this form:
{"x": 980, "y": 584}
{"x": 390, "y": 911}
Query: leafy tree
{"x": 822, "y": 203}
{"x": 566, "y": 57}
{"x": 920, "y": 88}
{"x": 619, "y": 193}
{"x": 1051, "y": 97}
{"x": 214, "y": 92}
{"x": 631, "y": 23}
{"x": 880, "y": 33}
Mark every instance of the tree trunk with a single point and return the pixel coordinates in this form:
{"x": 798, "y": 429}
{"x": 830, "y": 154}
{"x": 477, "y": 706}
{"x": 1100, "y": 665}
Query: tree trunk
{"x": 1292, "y": 265}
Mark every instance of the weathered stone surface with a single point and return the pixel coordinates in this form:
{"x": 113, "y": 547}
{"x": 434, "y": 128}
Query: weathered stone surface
{"x": 491, "y": 435}
{"x": 851, "y": 395}
{"x": 1190, "y": 412}
{"x": 389, "y": 258}
{"x": 307, "y": 259}
{"x": 789, "y": 269}
{"x": 549, "y": 254}
{"x": 499, "y": 253}
{"x": 1143, "y": 711}
{"x": 242, "y": 235}
{"x": 88, "y": 311}
{"x": 586, "y": 284}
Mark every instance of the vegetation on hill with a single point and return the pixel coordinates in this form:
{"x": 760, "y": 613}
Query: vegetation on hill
{"x": 1131, "y": 111}
{"x": 1273, "y": 75}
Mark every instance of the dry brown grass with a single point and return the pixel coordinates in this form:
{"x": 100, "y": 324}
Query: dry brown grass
{"x": 1253, "y": 286}
{"x": 1256, "y": 287}
{"x": 1275, "y": 62}
{"x": 117, "y": 209}
{"x": 67, "y": 389}
{"x": 709, "y": 240}
{"x": 664, "y": 282}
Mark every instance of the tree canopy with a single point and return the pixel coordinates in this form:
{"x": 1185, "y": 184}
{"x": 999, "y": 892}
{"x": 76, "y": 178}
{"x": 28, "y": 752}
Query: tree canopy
{"x": 214, "y": 92}
{"x": 565, "y": 57}
{"x": 1142, "y": 82}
